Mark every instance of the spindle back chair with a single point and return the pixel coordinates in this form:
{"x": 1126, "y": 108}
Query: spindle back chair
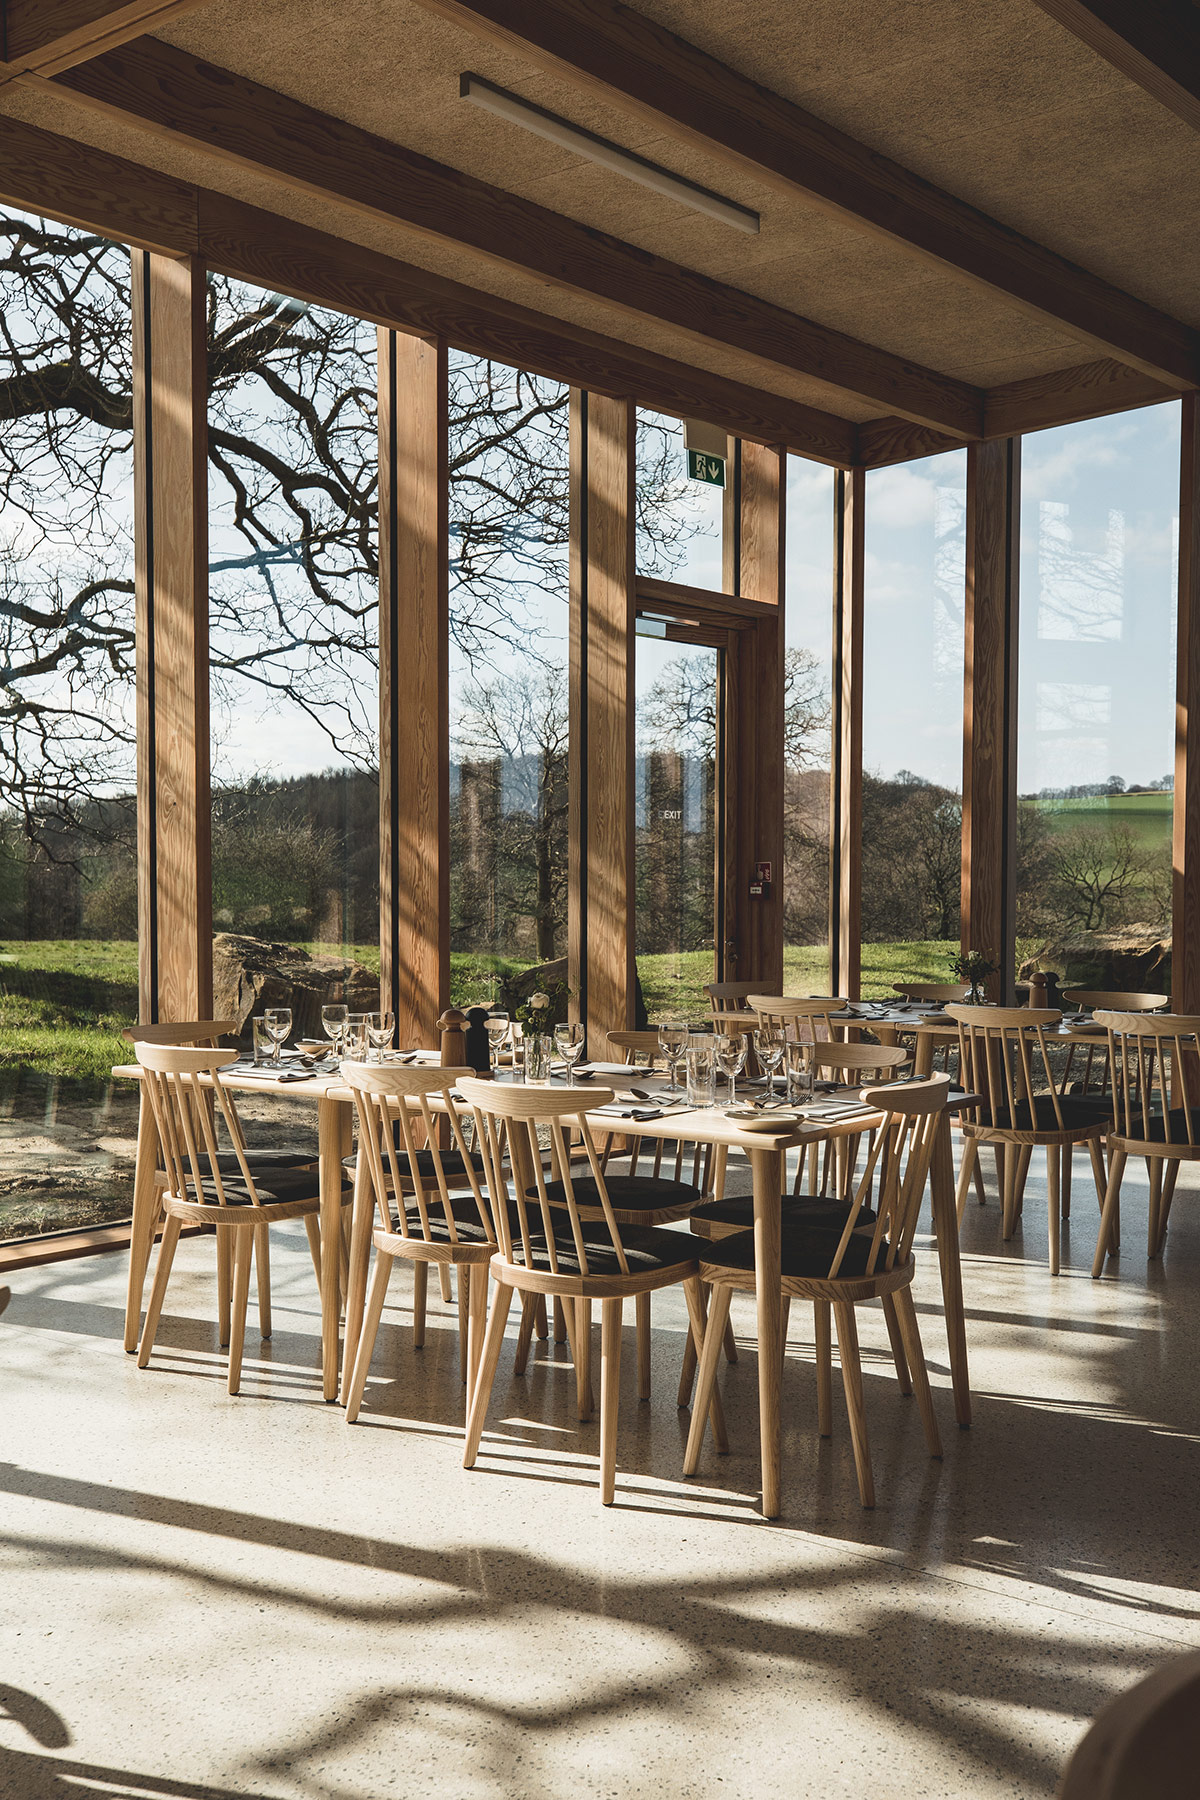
{"x": 1095, "y": 1052}
{"x": 1155, "y": 1064}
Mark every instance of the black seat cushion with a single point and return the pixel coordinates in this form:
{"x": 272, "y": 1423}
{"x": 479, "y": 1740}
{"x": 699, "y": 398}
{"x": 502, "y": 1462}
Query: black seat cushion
{"x": 467, "y": 1223}
{"x": 799, "y": 1209}
{"x": 1157, "y": 1134}
{"x": 275, "y": 1186}
{"x": 626, "y": 1193}
{"x": 453, "y": 1165}
{"x": 227, "y": 1160}
{"x": 646, "y": 1250}
{"x": 804, "y": 1250}
{"x": 1076, "y": 1113}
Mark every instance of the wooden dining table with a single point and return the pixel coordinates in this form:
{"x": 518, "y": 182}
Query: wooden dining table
{"x": 766, "y": 1152}
{"x": 889, "y": 1023}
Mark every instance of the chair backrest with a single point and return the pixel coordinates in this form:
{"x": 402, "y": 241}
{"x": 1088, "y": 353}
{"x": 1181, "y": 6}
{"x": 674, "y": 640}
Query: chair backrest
{"x": 899, "y": 1156}
{"x": 1155, "y": 1061}
{"x": 852, "y": 1063}
{"x": 805, "y": 1017}
{"x": 629, "y": 1043}
{"x": 181, "y": 1084}
{"x": 1003, "y": 1059}
{"x": 932, "y": 990}
{"x": 538, "y": 1121}
{"x": 1125, "y": 1003}
{"x": 186, "y": 1031}
{"x": 397, "y": 1121}
{"x": 729, "y": 996}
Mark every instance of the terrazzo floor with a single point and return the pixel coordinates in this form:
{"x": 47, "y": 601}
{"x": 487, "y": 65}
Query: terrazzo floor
{"x": 203, "y": 1597}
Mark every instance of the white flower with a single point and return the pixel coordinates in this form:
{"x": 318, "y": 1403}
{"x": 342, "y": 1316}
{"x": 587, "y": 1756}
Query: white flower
{"x": 539, "y": 1001}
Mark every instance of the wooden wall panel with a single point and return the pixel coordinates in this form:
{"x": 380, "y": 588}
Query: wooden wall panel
{"x": 607, "y": 572}
{"x": 171, "y": 510}
{"x": 414, "y": 836}
{"x": 845, "y": 860}
{"x": 1185, "y": 935}
{"x": 989, "y": 707}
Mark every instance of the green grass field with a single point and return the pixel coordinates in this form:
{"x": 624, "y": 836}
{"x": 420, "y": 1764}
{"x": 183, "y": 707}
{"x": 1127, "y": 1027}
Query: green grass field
{"x": 1147, "y": 816}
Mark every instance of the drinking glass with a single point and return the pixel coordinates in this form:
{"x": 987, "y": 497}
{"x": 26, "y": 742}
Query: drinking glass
{"x": 799, "y": 1073}
{"x": 261, "y": 1038}
{"x": 497, "y": 1026}
{"x": 333, "y": 1024}
{"x": 278, "y": 1023}
{"x": 380, "y": 1026}
{"x": 539, "y": 1047}
{"x": 569, "y": 1039}
{"x": 770, "y": 1044}
{"x": 354, "y": 1045}
{"x": 700, "y": 1086}
{"x": 672, "y": 1041}
{"x": 730, "y": 1050}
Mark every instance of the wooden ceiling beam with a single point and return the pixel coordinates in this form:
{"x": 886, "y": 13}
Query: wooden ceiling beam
{"x": 44, "y": 37}
{"x": 177, "y": 96}
{"x": 628, "y": 59}
{"x": 1155, "y": 43}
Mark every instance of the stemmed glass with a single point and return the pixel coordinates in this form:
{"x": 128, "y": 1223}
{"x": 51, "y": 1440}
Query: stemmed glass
{"x": 380, "y": 1026}
{"x": 770, "y": 1044}
{"x": 333, "y": 1024}
{"x": 672, "y": 1041}
{"x": 569, "y": 1038}
{"x": 277, "y": 1023}
{"x": 497, "y": 1027}
{"x": 730, "y": 1050}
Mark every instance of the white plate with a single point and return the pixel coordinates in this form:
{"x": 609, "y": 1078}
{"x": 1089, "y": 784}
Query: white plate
{"x": 764, "y": 1121}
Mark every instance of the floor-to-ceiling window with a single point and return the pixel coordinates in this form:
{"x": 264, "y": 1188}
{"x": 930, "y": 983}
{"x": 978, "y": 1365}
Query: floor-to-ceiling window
{"x": 68, "y": 868}
{"x": 912, "y": 720}
{"x": 808, "y": 679}
{"x": 1099, "y": 549}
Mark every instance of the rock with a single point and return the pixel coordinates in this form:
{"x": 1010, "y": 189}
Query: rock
{"x": 1134, "y": 960}
{"x": 250, "y": 975}
{"x": 545, "y": 978}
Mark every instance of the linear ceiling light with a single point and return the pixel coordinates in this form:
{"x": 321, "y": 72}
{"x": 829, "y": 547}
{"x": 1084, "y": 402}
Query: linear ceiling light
{"x": 498, "y": 100}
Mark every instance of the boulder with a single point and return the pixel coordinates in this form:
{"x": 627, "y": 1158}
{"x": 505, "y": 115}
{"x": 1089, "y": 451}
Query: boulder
{"x": 1136, "y": 959}
{"x": 249, "y": 975}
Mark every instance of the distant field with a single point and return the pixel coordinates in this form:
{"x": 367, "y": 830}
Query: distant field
{"x": 1148, "y": 816}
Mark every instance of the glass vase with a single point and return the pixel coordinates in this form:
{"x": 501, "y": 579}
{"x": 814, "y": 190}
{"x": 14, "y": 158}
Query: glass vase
{"x": 539, "y": 1050}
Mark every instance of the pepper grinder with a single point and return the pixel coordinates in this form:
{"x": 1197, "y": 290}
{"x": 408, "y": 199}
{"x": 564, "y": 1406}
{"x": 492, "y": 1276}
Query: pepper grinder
{"x": 452, "y": 1026}
{"x": 478, "y": 1048}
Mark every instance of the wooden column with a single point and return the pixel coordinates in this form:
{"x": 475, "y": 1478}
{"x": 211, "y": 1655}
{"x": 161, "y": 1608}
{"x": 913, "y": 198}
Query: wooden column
{"x": 845, "y": 849}
{"x": 754, "y": 569}
{"x": 1185, "y": 929}
{"x": 990, "y": 708}
{"x": 171, "y": 580}
{"x": 414, "y": 706}
{"x": 602, "y": 813}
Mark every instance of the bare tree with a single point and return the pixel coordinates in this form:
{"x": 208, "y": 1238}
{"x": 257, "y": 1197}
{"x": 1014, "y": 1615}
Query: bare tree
{"x": 1099, "y": 878}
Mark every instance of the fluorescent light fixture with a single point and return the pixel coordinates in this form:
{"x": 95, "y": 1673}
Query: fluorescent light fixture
{"x": 498, "y": 100}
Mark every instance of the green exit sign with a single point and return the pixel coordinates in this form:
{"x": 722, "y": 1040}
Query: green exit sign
{"x": 702, "y": 467}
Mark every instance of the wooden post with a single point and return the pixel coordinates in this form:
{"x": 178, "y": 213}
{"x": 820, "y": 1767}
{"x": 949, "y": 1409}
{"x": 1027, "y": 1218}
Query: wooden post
{"x": 989, "y": 817}
{"x": 1185, "y": 928}
{"x": 171, "y": 583}
{"x": 414, "y": 728}
{"x": 845, "y": 859}
{"x": 601, "y": 937}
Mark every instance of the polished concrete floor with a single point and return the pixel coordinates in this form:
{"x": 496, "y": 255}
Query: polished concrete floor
{"x": 203, "y": 1596}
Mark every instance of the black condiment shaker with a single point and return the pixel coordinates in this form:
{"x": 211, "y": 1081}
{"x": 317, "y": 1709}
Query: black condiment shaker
{"x": 478, "y": 1047}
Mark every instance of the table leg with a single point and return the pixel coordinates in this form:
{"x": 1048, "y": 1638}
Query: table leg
{"x": 767, "y": 1167}
{"x": 333, "y": 1129}
{"x": 145, "y": 1219}
{"x": 945, "y": 1223}
{"x": 363, "y": 1215}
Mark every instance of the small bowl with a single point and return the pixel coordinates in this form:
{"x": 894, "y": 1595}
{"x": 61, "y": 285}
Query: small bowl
{"x": 763, "y": 1121}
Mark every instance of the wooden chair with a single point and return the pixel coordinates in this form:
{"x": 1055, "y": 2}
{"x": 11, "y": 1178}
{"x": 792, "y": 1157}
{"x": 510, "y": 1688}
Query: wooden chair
{"x": 838, "y": 1264}
{"x": 729, "y": 996}
{"x": 1003, "y": 1058}
{"x": 938, "y": 991}
{"x": 1096, "y": 1074}
{"x": 198, "y": 1190}
{"x": 430, "y": 1204}
{"x": 1155, "y": 1062}
{"x": 552, "y": 1242}
{"x": 805, "y": 1017}
{"x": 1142, "y": 1745}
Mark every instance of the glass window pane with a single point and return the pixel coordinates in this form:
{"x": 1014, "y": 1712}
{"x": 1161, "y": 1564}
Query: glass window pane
{"x": 293, "y": 459}
{"x": 912, "y": 720}
{"x": 509, "y": 653}
{"x": 1099, "y": 549}
{"x": 679, "y": 521}
{"x": 68, "y": 868}
{"x": 808, "y": 676}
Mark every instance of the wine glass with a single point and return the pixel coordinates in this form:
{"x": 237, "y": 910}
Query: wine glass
{"x": 729, "y": 1048}
{"x": 497, "y": 1026}
{"x": 277, "y": 1022}
{"x": 799, "y": 1073}
{"x": 569, "y": 1038}
{"x": 672, "y": 1041}
{"x": 354, "y": 1043}
{"x": 770, "y": 1044}
{"x": 380, "y": 1026}
{"x": 333, "y": 1024}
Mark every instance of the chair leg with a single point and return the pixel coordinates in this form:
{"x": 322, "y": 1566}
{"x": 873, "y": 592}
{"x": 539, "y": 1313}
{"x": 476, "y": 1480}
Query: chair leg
{"x": 162, "y": 1274}
{"x": 907, "y": 1314}
{"x": 847, "y": 1336}
{"x": 970, "y": 1165}
{"x": 444, "y": 1279}
{"x": 693, "y": 1293}
{"x": 262, "y": 1277}
{"x": 368, "y": 1332}
{"x": 1170, "y": 1175}
{"x": 824, "y": 1346}
{"x": 560, "y": 1321}
{"x": 540, "y": 1322}
{"x": 706, "y": 1377}
{"x": 785, "y": 1312}
{"x": 1153, "y": 1240}
{"x": 583, "y": 1358}
{"x": 464, "y": 1299}
{"x": 525, "y": 1334}
{"x": 731, "y": 1349}
{"x": 1112, "y": 1201}
{"x": 687, "y": 1374}
{"x": 224, "y": 1281}
{"x": 642, "y": 1311}
{"x": 1024, "y": 1158}
{"x": 896, "y": 1339}
{"x": 1010, "y": 1191}
{"x": 477, "y": 1298}
{"x": 312, "y": 1227}
{"x": 420, "y": 1296}
{"x": 610, "y": 1394}
{"x": 980, "y": 1190}
{"x": 481, "y": 1388}
{"x": 1068, "y": 1163}
{"x": 243, "y": 1255}
{"x": 1096, "y": 1152}
{"x": 1053, "y": 1166}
